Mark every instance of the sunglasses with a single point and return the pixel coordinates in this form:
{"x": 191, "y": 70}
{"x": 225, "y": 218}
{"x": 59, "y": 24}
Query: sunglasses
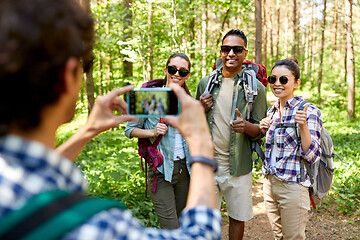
{"x": 182, "y": 71}
{"x": 236, "y": 49}
{"x": 283, "y": 79}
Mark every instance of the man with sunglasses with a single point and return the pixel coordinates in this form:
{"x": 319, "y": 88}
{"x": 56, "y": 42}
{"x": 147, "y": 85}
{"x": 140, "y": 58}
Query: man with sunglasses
{"x": 225, "y": 106}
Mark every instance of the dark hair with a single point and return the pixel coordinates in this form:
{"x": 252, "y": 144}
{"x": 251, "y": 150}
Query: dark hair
{"x": 180, "y": 55}
{"x": 186, "y": 58}
{"x": 37, "y": 37}
{"x": 291, "y": 64}
{"x": 236, "y": 32}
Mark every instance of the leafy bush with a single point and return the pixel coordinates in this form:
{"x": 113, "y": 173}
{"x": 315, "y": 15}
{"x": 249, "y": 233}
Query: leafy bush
{"x": 112, "y": 167}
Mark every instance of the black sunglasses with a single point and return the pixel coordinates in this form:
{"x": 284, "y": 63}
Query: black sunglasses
{"x": 182, "y": 71}
{"x": 283, "y": 79}
{"x": 236, "y": 49}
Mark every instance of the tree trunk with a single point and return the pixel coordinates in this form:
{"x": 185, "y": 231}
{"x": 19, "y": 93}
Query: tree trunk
{"x": 265, "y": 24}
{"x": 271, "y": 34}
{"x": 335, "y": 29}
{"x": 192, "y": 31}
{"x": 286, "y": 32}
{"x": 258, "y": 21}
{"x": 307, "y": 39}
{"x": 295, "y": 39}
{"x": 222, "y": 26}
{"x": 127, "y": 34}
{"x": 322, "y": 50}
{"x": 277, "y": 29}
{"x": 150, "y": 57}
{"x": 88, "y": 61}
{"x": 204, "y": 19}
{"x": 312, "y": 34}
{"x": 350, "y": 66}
{"x": 108, "y": 54}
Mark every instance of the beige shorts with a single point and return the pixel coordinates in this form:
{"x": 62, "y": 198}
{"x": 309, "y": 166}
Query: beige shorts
{"x": 237, "y": 193}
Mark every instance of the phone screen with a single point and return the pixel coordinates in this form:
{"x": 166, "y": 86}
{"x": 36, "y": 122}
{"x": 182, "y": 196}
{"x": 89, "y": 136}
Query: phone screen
{"x": 152, "y": 102}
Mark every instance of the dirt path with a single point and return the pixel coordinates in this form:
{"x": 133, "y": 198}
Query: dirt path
{"x": 323, "y": 225}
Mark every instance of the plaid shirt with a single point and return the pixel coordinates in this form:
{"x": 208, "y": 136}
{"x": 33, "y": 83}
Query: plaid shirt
{"x": 287, "y": 166}
{"x": 28, "y": 168}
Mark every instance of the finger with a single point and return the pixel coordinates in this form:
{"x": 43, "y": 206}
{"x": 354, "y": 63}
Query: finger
{"x": 207, "y": 97}
{"x": 306, "y": 107}
{"x": 116, "y": 92}
{"x": 179, "y": 91}
{"x": 171, "y": 120}
{"x": 125, "y": 118}
{"x": 238, "y": 113}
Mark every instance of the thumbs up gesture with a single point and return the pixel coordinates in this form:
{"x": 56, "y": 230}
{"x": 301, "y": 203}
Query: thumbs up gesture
{"x": 301, "y": 116}
{"x": 239, "y": 124}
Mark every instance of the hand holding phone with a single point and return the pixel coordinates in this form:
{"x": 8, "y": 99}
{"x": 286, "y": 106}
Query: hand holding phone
{"x": 152, "y": 102}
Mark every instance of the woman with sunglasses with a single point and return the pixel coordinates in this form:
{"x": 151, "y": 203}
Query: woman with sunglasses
{"x": 286, "y": 183}
{"x": 173, "y": 176}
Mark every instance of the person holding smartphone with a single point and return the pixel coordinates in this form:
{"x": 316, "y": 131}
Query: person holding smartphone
{"x": 45, "y": 69}
{"x": 286, "y": 188}
{"x": 173, "y": 176}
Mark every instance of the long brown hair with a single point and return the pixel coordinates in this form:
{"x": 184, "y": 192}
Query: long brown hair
{"x": 183, "y": 56}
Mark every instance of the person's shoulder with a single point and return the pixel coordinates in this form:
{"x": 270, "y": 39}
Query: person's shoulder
{"x": 205, "y": 79}
{"x": 260, "y": 86}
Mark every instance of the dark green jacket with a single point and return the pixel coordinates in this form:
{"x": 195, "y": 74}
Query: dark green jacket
{"x": 240, "y": 143}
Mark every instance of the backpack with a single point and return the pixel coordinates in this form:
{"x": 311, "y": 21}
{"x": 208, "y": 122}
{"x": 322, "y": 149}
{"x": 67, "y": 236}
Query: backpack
{"x": 252, "y": 73}
{"x": 153, "y": 158}
{"x": 147, "y": 150}
{"x": 52, "y": 215}
{"x": 320, "y": 172}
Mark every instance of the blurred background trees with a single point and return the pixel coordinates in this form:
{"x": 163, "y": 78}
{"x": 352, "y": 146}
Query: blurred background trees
{"x": 135, "y": 38}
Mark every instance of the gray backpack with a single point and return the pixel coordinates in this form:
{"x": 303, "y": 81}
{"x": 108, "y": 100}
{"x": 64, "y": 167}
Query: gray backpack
{"x": 322, "y": 171}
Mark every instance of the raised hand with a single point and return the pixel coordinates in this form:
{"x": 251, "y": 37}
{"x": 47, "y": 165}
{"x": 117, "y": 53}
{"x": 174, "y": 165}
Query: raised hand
{"x": 239, "y": 124}
{"x": 101, "y": 117}
{"x": 301, "y": 116}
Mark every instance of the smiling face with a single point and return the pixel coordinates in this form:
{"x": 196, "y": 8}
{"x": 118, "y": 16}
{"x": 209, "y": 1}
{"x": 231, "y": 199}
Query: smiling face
{"x": 284, "y": 91}
{"x": 179, "y": 63}
{"x": 233, "y": 62}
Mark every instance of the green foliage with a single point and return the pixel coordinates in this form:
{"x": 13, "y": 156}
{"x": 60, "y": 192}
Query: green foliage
{"x": 112, "y": 167}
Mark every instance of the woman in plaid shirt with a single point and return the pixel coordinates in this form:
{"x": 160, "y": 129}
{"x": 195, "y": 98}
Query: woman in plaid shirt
{"x": 285, "y": 191}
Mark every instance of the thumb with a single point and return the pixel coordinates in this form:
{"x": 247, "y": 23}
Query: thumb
{"x": 238, "y": 113}
{"x": 306, "y": 107}
{"x": 172, "y": 120}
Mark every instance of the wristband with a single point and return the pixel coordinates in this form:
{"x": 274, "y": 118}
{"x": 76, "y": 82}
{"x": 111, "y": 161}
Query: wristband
{"x": 204, "y": 160}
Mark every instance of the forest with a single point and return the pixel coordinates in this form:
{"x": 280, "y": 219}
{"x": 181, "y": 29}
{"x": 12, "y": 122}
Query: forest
{"x": 134, "y": 38}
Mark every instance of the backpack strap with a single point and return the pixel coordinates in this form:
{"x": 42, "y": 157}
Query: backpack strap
{"x": 53, "y": 214}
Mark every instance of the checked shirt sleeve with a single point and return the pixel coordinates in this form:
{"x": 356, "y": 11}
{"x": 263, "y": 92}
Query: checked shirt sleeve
{"x": 314, "y": 122}
{"x": 197, "y": 223}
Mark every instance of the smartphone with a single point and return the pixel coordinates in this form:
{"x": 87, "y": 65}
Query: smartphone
{"x": 152, "y": 102}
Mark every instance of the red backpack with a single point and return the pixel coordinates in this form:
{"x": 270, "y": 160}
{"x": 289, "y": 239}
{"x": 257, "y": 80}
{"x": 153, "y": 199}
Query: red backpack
{"x": 259, "y": 69}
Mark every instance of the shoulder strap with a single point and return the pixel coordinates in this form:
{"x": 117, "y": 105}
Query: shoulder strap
{"x": 53, "y": 214}
{"x": 302, "y": 105}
